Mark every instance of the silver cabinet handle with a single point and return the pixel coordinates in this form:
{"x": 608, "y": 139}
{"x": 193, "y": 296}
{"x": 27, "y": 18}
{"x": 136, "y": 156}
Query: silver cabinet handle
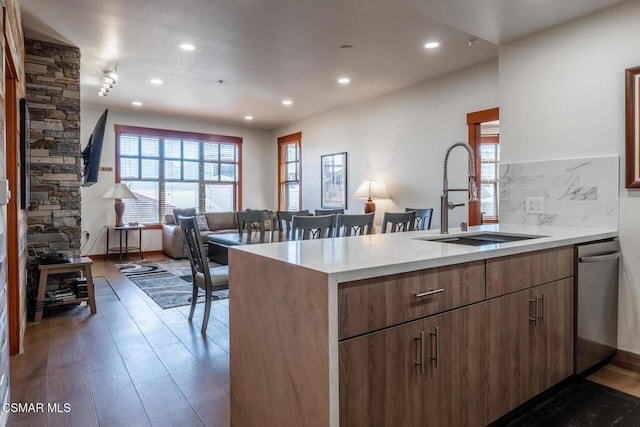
{"x": 599, "y": 258}
{"x": 429, "y": 292}
{"x": 436, "y": 334}
{"x": 541, "y": 315}
{"x": 420, "y": 341}
{"x": 534, "y": 317}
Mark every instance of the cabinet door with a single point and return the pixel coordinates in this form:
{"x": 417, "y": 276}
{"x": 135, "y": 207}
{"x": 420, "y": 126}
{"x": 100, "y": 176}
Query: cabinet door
{"x": 380, "y": 380}
{"x": 511, "y": 352}
{"x": 554, "y": 340}
{"x": 455, "y": 378}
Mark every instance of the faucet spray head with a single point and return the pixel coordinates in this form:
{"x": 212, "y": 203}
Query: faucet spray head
{"x": 473, "y": 190}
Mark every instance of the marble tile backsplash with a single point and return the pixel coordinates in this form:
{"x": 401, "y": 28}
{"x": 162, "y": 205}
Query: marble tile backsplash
{"x": 576, "y": 192}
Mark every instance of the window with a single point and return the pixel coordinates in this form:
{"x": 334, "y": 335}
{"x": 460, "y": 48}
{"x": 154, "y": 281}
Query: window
{"x": 289, "y": 172}
{"x": 489, "y": 161}
{"x": 168, "y": 169}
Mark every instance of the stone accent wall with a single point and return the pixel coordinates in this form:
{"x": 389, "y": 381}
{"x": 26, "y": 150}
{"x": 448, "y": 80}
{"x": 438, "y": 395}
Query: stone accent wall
{"x": 53, "y": 98}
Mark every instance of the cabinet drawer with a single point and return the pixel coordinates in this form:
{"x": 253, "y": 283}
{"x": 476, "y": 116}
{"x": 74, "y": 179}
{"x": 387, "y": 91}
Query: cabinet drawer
{"x": 371, "y": 304}
{"x": 513, "y": 273}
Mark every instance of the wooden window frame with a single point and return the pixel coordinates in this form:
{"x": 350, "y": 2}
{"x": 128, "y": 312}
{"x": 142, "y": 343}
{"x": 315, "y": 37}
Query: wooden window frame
{"x": 283, "y": 141}
{"x": 473, "y": 122}
{"x": 162, "y": 134}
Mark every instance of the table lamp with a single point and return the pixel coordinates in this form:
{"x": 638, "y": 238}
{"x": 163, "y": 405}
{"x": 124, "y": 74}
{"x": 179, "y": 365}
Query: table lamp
{"x": 371, "y": 191}
{"x": 119, "y": 191}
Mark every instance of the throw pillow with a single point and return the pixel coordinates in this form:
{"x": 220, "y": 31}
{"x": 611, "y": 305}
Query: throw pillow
{"x": 202, "y": 223}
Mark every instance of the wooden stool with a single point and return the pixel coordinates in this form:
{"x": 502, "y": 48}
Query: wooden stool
{"x": 83, "y": 265}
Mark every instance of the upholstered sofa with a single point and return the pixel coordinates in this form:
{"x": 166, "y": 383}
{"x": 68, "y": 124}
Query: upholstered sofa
{"x": 217, "y": 222}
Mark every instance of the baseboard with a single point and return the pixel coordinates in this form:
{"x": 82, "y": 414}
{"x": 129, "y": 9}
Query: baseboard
{"x": 627, "y": 360}
{"x": 132, "y": 256}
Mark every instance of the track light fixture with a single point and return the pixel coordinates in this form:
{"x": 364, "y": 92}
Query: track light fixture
{"x": 109, "y": 79}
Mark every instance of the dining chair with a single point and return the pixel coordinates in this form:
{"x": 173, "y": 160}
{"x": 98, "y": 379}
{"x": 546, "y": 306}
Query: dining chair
{"x": 312, "y": 227}
{"x": 399, "y": 221}
{"x": 186, "y": 212}
{"x": 284, "y": 219}
{"x": 422, "y": 220}
{"x": 347, "y": 225}
{"x": 204, "y": 277}
{"x": 253, "y": 221}
{"x": 320, "y": 212}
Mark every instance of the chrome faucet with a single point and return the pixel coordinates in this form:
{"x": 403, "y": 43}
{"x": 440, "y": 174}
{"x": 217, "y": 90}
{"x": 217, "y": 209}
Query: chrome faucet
{"x": 445, "y": 204}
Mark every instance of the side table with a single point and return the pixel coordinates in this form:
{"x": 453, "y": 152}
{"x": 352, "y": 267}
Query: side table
{"x": 83, "y": 265}
{"x": 124, "y": 233}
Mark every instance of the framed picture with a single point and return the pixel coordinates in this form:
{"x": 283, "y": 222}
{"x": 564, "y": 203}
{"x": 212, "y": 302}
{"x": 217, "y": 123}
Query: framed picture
{"x": 632, "y": 107}
{"x": 333, "y": 170}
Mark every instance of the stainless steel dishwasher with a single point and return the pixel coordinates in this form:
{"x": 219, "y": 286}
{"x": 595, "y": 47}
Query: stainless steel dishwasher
{"x": 596, "y": 303}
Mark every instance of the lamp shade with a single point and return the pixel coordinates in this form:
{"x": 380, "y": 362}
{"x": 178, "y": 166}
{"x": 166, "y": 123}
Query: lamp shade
{"x": 370, "y": 190}
{"x": 119, "y": 191}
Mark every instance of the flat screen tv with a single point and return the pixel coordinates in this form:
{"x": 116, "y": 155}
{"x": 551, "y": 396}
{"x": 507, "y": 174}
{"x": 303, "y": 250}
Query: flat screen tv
{"x": 92, "y": 152}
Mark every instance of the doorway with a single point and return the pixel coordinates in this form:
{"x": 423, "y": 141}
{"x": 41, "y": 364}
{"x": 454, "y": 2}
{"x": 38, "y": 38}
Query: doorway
{"x": 484, "y": 138}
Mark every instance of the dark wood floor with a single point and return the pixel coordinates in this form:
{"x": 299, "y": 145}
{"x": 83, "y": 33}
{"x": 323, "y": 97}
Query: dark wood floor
{"x": 136, "y": 364}
{"x": 131, "y": 364}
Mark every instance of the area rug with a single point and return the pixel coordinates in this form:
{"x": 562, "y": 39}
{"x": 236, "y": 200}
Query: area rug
{"x": 168, "y": 283}
{"x": 584, "y": 403}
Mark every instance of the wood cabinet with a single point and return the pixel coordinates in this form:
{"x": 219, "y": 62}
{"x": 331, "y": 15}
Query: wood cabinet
{"x": 491, "y": 355}
{"x": 380, "y": 386}
{"x": 371, "y": 304}
{"x": 459, "y": 345}
{"x": 427, "y": 372}
{"x": 530, "y": 344}
{"x": 516, "y": 272}
{"x": 556, "y": 333}
{"x": 454, "y": 386}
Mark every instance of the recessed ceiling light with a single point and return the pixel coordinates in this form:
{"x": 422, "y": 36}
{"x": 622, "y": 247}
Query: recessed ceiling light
{"x": 431, "y": 45}
{"x": 248, "y": 117}
{"x": 137, "y": 103}
{"x": 156, "y": 82}
{"x": 187, "y": 46}
{"x": 287, "y": 102}
{"x": 344, "y": 80}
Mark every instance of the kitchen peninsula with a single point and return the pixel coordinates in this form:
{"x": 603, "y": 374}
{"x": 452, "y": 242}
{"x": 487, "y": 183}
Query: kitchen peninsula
{"x": 393, "y": 329}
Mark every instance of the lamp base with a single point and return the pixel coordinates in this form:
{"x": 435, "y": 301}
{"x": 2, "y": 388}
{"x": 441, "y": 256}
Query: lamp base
{"x": 369, "y": 206}
{"x": 119, "y": 207}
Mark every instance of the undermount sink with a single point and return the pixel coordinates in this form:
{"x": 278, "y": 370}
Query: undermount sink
{"x": 481, "y": 239}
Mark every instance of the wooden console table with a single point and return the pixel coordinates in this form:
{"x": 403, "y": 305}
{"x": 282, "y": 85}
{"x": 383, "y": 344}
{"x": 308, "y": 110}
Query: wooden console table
{"x": 83, "y": 265}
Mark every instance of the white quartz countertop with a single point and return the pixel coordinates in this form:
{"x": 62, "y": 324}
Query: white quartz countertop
{"x": 362, "y": 257}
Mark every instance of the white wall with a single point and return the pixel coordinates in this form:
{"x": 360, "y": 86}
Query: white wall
{"x": 569, "y": 81}
{"x": 400, "y": 140}
{"x": 259, "y": 166}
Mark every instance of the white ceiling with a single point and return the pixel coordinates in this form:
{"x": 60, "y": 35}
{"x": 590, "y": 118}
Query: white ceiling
{"x": 269, "y": 50}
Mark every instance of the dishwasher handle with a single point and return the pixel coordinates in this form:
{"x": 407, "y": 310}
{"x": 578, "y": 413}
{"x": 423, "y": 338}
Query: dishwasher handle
{"x": 599, "y": 258}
